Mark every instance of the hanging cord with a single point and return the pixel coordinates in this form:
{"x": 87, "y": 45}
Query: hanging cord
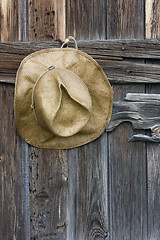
{"x": 33, "y": 105}
{"x": 68, "y": 40}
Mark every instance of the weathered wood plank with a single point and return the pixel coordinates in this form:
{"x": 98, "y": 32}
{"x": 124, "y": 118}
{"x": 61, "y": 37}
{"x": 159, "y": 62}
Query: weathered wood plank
{"x": 143, "y": 97}
{"x": 48, "y": 193}
{"x": 88, "y": 191}
{"x": 127, "y": 164}
{"x": 153, "y": 167}
{"x": 125, "y": 19}
{"x": 152, "y": 19}
{"x": 142, "y": 111}
{"x": 86, "y": 19}
{"x": 117, "y": 71}
{"x": 13, "y": 20}
{"x": 48, "y": 168}
{"x": 87, "y": 195}
{"x": 127, "y": 161}
{"x": 46, "y": 20}
{"x": 114, "y": 48}
{"x": 14, "y": 188}
{"x": 153, "y": 149}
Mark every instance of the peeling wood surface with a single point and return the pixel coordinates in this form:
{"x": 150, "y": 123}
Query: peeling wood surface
{"x": 13, "y": 22}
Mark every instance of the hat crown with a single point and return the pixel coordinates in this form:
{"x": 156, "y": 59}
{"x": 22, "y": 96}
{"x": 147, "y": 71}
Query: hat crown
{"x": 62, "y": 102}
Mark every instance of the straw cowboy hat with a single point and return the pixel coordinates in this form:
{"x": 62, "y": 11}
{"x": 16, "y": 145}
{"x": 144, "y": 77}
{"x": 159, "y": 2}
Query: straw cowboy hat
{"x": 63, "y": 98}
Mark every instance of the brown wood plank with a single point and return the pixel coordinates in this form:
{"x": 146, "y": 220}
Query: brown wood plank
{"x": 14, "y": 188}
{"x": 127, "y": 161}
{"x": 125, "y": 19}
{"x": 86, "y": 19}
{"x": 13, "y": 20}
{"x": 118, "y": 49}
{"x": 46, "y": 20}
{"x": 127, "y": 168}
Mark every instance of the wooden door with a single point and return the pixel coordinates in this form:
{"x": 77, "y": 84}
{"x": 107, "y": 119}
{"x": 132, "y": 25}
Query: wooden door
{"x": 110, "y": 188}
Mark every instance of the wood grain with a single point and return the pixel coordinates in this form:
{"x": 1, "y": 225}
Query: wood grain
{"x": 153, "y": 167}
{"x": 86, "y": 19}
{"x": 13, "y": 20}
{"x": 48, "y": 192}
{"x": 118, "y": 68}
{"x": 14, "y": 188}
{"x": 152, "y": 19}
{"x": 48, "y": 168}
{"x": 153, "y": 150}
{"x": 88, "y": 191}
{"x": 46, "y": 20}
{"x": 125, "y": 19}
{"x": 119, "y": 49}
{"x": 127, "y": 161}
{"x": 142, "y": 111}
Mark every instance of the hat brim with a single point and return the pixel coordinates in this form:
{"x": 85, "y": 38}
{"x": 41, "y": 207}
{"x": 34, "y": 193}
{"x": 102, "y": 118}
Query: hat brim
{"x": 88, "y": 70}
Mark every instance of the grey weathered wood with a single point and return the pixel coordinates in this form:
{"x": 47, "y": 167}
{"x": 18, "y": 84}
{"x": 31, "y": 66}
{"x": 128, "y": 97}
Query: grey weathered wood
{"x": 87, "y": 209}
{"x": 153, "y": 149}
{"x": 117, "y": 69}
{"x": 143, "y": 97}
{"x": 48, "y": 193}
{"x": 14, "y": 177}
{"x": 142, "y": 111}
{"x": 88, "y": 191}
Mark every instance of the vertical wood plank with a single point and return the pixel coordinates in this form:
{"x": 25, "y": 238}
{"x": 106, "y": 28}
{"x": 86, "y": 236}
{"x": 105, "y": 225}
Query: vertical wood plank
{"x": 86, "y": 19}
{"x": 87, "y": 212}
{"x": 87, "y": 209}
{"x": 14, "y": 198}
{"x": 13, "y": 20}
{"x": 48, "y": 168}
{"x": 48, "y": 190}
{"x": 46, "y": 20}
{"x": 14, "y": 174}
{"x": 152, "y": 19}
{"x": 127, "y": 181}
{"x": 153, "y": 150}
{"x": 127, "y": 161}
{"x": 125, "y": 19}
